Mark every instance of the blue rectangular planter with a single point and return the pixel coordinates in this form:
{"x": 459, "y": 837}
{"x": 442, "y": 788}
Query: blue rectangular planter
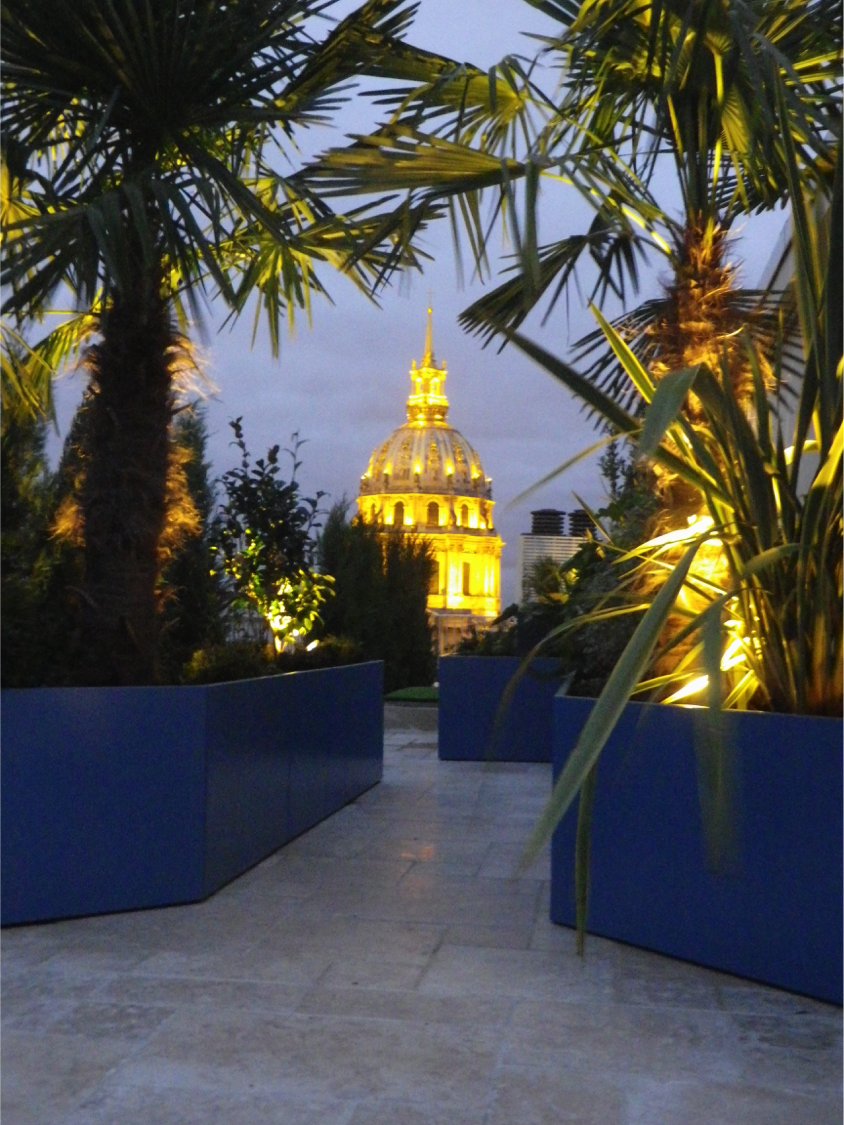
{"x": 120, "y": 798}
{"x": 774, "y": 914}
{"x": 470, "y": 689}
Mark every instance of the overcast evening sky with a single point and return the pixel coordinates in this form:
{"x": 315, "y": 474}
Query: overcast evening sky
{"x": 342, "y": 384}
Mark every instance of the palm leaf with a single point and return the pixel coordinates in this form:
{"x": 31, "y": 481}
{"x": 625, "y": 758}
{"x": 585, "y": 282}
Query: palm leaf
{"x": 608, "y": 708}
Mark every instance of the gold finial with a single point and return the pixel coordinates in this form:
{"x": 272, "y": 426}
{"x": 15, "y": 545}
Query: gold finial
{"x": 428, "y": 357}
{"x": 427, "y": 403}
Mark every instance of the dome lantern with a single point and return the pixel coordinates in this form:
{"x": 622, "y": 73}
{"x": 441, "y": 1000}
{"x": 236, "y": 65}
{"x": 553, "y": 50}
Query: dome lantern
{"x": 426, "y": 403}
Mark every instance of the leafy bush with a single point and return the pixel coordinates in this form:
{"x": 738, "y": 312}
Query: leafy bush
{"x": 247, "y": 660}
{"x": 43, "y": 549}
{"x": 26, "y": 555}
{"x": 236, "y": 660}
{"x": 263, "y": 533}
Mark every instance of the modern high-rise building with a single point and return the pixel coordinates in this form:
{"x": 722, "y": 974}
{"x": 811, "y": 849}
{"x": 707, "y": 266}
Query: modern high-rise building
{"x": 428, "y": 479}
{"x": 547, "y": 540}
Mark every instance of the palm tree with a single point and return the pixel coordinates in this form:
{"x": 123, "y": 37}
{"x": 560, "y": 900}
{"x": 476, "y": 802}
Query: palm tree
{"x": 694, "y": 85}
{"x": 141, "y": 150}
{"x": 683, "y": 84}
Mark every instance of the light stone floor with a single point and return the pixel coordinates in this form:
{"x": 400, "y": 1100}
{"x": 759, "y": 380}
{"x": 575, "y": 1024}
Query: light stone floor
{"x": 388, "y": 968}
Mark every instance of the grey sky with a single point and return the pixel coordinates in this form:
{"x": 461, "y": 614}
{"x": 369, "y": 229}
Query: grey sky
{"x": 343, "y": 383}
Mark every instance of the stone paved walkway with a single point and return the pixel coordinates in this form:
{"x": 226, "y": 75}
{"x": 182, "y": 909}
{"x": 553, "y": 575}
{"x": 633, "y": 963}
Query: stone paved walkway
{"x": 388, "y": 969}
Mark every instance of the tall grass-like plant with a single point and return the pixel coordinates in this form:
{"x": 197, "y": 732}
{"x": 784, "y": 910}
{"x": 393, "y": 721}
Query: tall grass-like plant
{"x": 756, "y": 576}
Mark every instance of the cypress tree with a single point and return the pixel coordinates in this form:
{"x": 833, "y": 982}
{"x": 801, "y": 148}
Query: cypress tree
{"x": 381, "y": 589}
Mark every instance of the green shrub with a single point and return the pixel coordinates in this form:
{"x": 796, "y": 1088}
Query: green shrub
{"x": 264, "y": 542}
{"x": 381, "y": 593}
{"x": 25, "y": 546}
{"x": 249, "y": 660}
{"x": 39, "y": 571}
{"x": 237, "y": 660}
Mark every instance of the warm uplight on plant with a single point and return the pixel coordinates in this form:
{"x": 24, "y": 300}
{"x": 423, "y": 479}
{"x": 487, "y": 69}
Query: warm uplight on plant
{"x": 294, "y": 613}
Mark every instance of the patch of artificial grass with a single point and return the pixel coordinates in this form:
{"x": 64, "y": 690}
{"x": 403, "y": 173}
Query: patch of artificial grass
{"x": 414, "y": 695}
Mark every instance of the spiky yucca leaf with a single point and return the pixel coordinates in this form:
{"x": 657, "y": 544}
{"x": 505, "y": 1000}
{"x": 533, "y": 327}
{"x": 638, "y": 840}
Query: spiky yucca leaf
{"x": 760, "y": 580}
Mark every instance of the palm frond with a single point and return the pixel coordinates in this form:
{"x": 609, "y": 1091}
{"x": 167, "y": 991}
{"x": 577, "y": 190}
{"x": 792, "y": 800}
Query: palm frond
{"x": 756, "y": 579}
{"x": 769, "y": 317}
{"x": 137, "y": 140}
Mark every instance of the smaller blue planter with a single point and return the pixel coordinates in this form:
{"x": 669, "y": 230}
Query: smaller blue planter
{"x": 470, "y": 691}
{"x": 773, "y": 913}
{"x": 120, "y": 798}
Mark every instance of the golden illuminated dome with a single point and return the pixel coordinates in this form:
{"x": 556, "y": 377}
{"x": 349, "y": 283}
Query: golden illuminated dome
{"x": 430, "y": 458}
{"x": 427, "y": 479}
{"x": 426, "y": 454}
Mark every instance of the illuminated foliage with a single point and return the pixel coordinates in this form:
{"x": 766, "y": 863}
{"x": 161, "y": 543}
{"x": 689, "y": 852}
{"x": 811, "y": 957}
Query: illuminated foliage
{"x": 686, "y": 85}
{"x": 263, "y": 533}
{"x": 148, "y": 166}
{"x": 583, "y": 611}
{"x": 189, "y": 590}
{"x": 295, "y": 610}
{"x": 758, "y": 584}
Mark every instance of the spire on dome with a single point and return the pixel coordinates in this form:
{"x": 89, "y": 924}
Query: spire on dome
{"x": 427, "y": 402}
{"x": 428, "y": 357}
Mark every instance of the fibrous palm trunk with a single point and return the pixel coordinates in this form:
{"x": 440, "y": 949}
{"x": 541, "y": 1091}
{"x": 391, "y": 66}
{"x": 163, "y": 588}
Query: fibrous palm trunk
{"x": 701, "y": 325}
{"x": 123, "y": 498}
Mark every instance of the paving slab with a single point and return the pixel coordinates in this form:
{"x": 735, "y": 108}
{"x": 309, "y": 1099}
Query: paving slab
{"x": 396, "y": 965}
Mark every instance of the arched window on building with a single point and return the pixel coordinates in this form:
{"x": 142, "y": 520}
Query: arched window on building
{"x": 464, "y": 515}
{"x": 434, "y": 584}
{"x": 373, "y": 513}
{"x": 467, "y": 575}
{"x": 398, "y": 514}
{"x": 433, "y": 514}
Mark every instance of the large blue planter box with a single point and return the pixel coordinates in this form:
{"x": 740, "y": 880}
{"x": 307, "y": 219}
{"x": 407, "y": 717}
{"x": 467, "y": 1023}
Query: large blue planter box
{"x": 470, "y": 690}
{"x": 119, "y": 798}
{"x": 774, "y": 912}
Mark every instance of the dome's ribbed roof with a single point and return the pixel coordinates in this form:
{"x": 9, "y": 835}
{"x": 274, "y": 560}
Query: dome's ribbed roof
{"x": 434, "y": 458}
{"x": 426, "y": 453}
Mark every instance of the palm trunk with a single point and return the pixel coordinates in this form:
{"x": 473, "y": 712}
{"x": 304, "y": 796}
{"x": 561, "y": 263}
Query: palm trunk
{"x": 700, "y": 326}
{"x": 123, "y": 497}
